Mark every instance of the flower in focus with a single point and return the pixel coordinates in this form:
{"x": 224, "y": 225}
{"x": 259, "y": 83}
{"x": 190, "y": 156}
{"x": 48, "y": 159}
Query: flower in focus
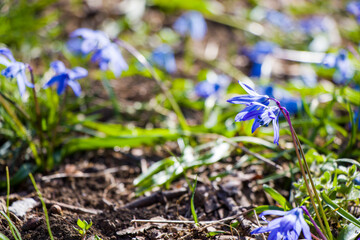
{"x": 354, "y": 9}
{"x": 344, "y": 68}
{"x": 66, "y": 77}
{"x": 163, "y": 56}
{"x": 291, "y": 103}
{"x": 214, "y": 85}
{"x": 257, "y": 55}
{"x": 287, "y": 227}
{"x": 257, "y": 108}
{"x": 14, "y": 69}
{"x": 106, "y": 53}
{"x": 191, "y": 23}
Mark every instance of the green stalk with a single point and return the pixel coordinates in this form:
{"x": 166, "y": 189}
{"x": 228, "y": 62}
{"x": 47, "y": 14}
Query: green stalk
{"x": 328, "y": 231}
{"x": 158, "y": 80}
{"x": 8, "y": 198}
{"x": 43, "y": 205}
{"x": 110, "y": 91}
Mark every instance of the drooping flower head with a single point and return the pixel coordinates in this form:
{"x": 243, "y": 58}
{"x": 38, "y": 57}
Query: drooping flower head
{"x": 354, "y": 9}
{"x": 214, "y": 85}
{"x": 344, "y": 68}
{"x": 291, "y": 103}
{"x": 287, "y": 227}
{"x": 14, "y": 69}
{"x": 257, "y": 55}
{"x": 163, "y": 57}
{"x": 66, "y": 77}
{"x": 257, "y": 108}
{"x": 105, "y": 53}
{"x": 191, "y": 23}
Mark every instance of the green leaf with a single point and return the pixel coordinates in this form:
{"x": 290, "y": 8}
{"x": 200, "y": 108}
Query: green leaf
{"x": 81, "y": 224}
{"x": 16, "y": 234}
{"x": 3, "y": 237}
{"x": 88, "y": 225}
{"x": 350, "y": 232}
{"x": 192, "y": 205}
{"x": 339, "y": 210}
{"x": 277, "y": 197}
{"x": 263, "y": 208}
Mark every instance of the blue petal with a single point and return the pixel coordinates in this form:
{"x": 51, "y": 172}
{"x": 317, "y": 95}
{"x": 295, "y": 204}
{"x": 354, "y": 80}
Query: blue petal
{"x": 248, "y": 89}
{"x": 273, "y": 212}
{"x": 58, "y": 67}
{"x": 77, "y": 73}
{"x": 245, "y": 99}
{"x": 61, "y": 85}
{"x": 255, "y": 125}
{"x": 305, "y": 227}
{"x": 20, "y": 78}
{"x": 54, "y": 80}
{"x": 75, "y": 87}
{"x": 7, "y": 53}
{"x": 4, "y": 61}
{"x": 276, "y": 130}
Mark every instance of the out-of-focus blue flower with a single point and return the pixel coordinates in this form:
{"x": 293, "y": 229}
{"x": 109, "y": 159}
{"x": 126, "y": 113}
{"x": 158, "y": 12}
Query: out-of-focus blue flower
{"x": 66, "y": 77}
{"x": 313, "y": 25}
{"x": 84, "y": 40}
{"x": 106, "y": 53}
{"x": 344, "y": 68}
{"x": 257, "y": 108}
{"x": 163, "y": 56}
{"x": 214, "y": 85}
{"x": 109, "y": 57}
{"x": 287, "y": 227}
{"x": 280, "y": 20}
{"x": 292, "y": 104}
{"x": 14, "y": 69}
{"x": 191, "y": 23}
{"x": 354, "y": 9}
{"x": 257, "y": 55}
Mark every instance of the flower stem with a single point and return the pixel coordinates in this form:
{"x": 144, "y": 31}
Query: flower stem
{"x": 314, "y": 223}
{"x": 294, "y": 137}
{"x": 37, "y": 112}
{"x": 163, "y": 87}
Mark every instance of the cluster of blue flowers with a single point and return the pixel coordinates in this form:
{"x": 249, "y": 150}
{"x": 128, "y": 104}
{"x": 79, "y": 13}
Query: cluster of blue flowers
{"x": 287, "y": 227}
{"x": 63, "y": 77}
{"x": 257, "y": 107}
{"x": 106, "y": 53}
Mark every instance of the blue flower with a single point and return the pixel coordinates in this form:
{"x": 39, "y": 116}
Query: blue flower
{"x": 106, "y": 53}
{"x": 280, "y": 20}
{"x": 291, "y": 103}
{"x": 257, "y": 108}
{"x": 344, "y": 68}
{"x": 163, "y": 56}
{"x": 83, "y": 41}
{"x": 313, "y": 25}
{"x": 257, "y": 55}
{"x": 214, "y": 85}
{"x": 354, "y": 9}
{"x": 191, "y": 23}
{"x": 109, "y": 57}
{"x": 14, "y": 69}
{"x": 66, "y": 77}
{"x": 288, "y": 227}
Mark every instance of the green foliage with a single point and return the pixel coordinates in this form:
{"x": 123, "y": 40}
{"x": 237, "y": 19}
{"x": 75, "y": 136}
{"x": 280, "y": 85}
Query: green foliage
{"x": 84, "y": 226}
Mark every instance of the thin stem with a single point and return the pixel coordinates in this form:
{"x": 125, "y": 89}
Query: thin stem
{"x": 314, "y": 223}
{"x": 37, "y": 111}
{"x": 15, "y": 105}
{"x": 157, "y": 78}
{"x": 313, "y": 186}
{"x": 287, "y": 116}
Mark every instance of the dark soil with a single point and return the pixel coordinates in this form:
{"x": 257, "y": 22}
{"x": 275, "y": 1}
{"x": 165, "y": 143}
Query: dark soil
{"x": 89, "y": 185}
